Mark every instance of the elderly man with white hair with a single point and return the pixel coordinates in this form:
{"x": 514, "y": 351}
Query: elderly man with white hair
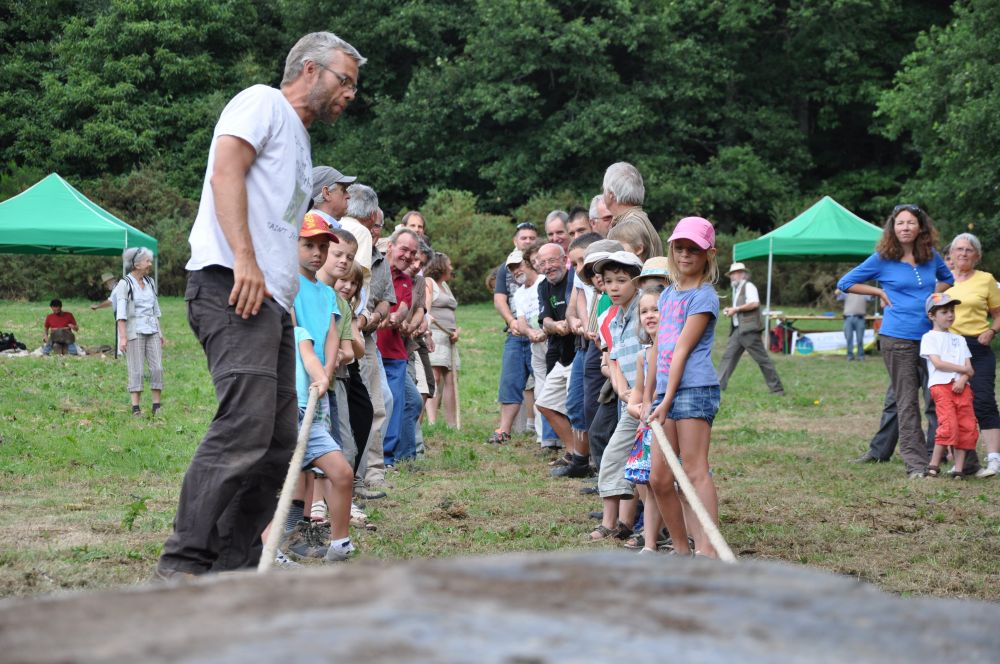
{"x": 242, "y": 280}
{"x": 600, "y": 216}
{"x": 624, "y": 193}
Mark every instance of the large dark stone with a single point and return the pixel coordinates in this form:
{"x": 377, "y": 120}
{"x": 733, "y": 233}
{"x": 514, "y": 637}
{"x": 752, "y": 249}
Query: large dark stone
{"x": 521, "y": 608}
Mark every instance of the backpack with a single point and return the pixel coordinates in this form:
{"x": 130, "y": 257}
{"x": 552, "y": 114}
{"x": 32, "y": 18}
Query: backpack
{"x": 128, "y": 284}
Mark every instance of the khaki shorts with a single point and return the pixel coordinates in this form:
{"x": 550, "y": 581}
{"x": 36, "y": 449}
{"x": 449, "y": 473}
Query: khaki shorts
{"x": 555, "y": 389}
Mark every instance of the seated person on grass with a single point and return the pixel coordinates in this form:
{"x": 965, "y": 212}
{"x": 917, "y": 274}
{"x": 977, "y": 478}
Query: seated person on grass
{"x": 59, "y": 328}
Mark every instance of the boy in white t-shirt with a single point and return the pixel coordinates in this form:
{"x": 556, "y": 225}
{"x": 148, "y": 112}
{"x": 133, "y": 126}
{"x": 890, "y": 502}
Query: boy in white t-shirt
{"x": 948, "y": 370}
{"x": 525, "y": 307}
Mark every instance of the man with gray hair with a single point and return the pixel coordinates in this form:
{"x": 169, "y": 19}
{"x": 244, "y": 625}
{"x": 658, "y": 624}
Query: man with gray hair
{"x": 555, "y": 229}
{"x": 600, "y": 216}
{"x": 624, "y": 194}
{"x": 243, "y": 277}
{"x": 362, "y": 216}
{"x": 329, "y": 193}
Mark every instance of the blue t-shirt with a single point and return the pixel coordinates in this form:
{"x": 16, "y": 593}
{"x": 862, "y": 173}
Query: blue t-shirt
{"x": 314, "y": 305}
{"x": 675, "y": 307}
{"x": 302, "y": 379}
{"x": 907, "y": 287}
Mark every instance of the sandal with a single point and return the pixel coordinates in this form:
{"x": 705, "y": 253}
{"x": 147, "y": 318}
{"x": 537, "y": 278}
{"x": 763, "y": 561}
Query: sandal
{"x": 933, "y": 471}
{"x": 498, "y": 438}
{"x": 601, "y": 533}
{"x": 635, "y": 542}
{"x": 624, "y": 532}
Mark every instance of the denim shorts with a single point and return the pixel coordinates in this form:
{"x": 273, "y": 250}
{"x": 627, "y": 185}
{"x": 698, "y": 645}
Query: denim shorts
{"x": 515, "y": 368}
{"x": 321, "y": 442}
{"x": 695, "y": 403}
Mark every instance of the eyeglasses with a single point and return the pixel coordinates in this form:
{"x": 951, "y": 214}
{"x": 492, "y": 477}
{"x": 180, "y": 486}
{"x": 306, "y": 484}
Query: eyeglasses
{"x": 550, "y": 261}
{"x": 527, "y": 226}
{"x": 908, "y": 207}
{"x": 345, "y": 80}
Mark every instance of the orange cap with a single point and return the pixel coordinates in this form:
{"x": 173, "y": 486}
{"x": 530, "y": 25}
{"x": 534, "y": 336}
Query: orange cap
{"x": 313, "y": 225}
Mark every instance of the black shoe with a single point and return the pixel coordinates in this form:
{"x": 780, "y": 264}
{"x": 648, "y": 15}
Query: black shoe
{"x": 571, "y": 470}
{"x": 596, "y": 515}
{"x": 589, "y": 491}
{"x": 867, "y": 458}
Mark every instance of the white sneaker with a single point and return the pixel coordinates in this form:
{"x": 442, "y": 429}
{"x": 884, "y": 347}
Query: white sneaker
{"x": 338, "y": 554}
{"x": 282, "y": 561}
{"x": 992, "y": 468}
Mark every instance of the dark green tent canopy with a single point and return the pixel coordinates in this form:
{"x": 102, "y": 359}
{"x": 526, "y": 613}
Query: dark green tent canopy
{"x": 52, "y": 217}
{"x": 827, "y": 231}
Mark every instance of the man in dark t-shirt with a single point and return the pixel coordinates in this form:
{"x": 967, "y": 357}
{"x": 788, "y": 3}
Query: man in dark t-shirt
{"x": 515, "y": 366}
{"x": 553, "y": 295}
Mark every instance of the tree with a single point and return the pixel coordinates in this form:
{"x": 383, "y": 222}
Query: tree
{"x": 944, "y": 105}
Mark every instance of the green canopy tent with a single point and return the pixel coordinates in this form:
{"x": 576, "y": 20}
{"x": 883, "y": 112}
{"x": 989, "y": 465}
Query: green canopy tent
{"x": 52, "y": 217}
{"x": 826, "y": 231}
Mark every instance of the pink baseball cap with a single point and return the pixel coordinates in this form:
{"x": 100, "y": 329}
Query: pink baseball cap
{"x": 698, "y": 230}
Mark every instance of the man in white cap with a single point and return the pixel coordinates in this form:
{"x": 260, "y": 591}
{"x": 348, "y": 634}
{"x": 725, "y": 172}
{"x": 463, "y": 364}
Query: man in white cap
{"x": 745, "y": 333}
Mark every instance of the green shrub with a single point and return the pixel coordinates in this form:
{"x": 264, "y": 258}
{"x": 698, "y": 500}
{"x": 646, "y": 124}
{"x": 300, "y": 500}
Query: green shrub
{"x": 475, "y": 242}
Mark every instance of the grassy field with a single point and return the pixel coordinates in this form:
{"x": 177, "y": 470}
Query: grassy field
{"x": 87, "y": 493}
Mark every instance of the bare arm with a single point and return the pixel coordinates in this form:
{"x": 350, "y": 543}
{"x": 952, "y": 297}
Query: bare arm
{"x": 634, "y": 406}
{"x": 310, "y": 360}
{"x": 865, "y": 289}
{"x": 330, "y": 348}
{"x": 573, "y": 317}
{"x": 233, "y": 159}
{"x": 694, "y": 327}
{"x": 941, "y": 365}
{"x": 502, "y": 306}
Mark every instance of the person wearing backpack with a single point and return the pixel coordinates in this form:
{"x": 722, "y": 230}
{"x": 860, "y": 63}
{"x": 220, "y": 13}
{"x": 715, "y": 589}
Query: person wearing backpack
{"x": 139, "y": 335}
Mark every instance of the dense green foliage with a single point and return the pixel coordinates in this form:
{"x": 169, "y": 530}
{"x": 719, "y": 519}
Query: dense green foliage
{"x": 743, "y": 111}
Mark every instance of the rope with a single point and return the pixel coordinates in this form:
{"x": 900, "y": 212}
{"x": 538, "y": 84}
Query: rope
{"x": 714, "y": 536}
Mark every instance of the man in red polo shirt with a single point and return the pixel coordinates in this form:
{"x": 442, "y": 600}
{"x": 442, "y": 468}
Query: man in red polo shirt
{"x": 59, "y": 329}
{"x": 400, "y": 437}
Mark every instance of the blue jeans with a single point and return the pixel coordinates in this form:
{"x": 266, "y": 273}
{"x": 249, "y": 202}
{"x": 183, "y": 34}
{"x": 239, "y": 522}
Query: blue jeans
{"x": 400, "y": 442}
{"x": 854, "y": 330}
{"x": 574, "y": 398}
{"x": 387, "y": 397}
{"x": 515, "y": 367}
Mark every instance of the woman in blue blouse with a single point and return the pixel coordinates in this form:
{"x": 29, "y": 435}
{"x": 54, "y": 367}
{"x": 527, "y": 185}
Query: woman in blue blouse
{"x": 908, "y": 269}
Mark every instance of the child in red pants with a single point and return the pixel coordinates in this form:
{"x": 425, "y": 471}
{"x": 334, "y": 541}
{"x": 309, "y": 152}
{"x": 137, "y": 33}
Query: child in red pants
{"x": 949, "y": 369}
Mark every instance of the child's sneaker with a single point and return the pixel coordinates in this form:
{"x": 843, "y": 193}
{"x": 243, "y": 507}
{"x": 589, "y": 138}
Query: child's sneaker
{"x": 338, "y": 553}
{"x": 281, "y": 561}
{"x": 305, "y": 541}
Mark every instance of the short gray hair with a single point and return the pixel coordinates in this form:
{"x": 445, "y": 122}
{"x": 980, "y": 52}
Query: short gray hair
{"x": 403, "y": 230}
{"x": 593, "y": 206}
{"x": 562, "y": 215}
{"x": 316, "y": 47}
{"x": 363, "y": 201}
{"x": 624, "y": 182}
{"x": 971, "y": 239}
{"x": 133, "y": 255}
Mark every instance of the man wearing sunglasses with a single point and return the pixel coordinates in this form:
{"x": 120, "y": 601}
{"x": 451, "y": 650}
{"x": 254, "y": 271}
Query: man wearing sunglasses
{"x": 243, "y": 277}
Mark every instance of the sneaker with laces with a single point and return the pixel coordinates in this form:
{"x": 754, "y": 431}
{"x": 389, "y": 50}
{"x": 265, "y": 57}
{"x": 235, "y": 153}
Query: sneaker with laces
{"x": 992, "y": 468}
{"x": 281, "y": 561}
{"x": 339, "y": 554}
{"x": 305, "y": 541}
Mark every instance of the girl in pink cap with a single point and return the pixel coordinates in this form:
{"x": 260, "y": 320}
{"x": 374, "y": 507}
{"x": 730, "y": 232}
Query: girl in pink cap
{"x": 685, "y": 384}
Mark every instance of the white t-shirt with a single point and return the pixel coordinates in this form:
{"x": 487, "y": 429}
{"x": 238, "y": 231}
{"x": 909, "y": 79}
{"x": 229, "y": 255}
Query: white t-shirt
{"x": 525, "y": 303}
{"x": 752, "y": 296}
{"x": 278, "y": 187}
{"x": 950, "y": 348}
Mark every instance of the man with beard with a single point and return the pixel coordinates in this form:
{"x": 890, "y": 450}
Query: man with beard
{"x": 243, "y": 277}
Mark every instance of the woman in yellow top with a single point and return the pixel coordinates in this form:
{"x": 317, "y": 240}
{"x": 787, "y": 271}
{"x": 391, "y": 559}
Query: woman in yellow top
{"x": 977, "y": 319}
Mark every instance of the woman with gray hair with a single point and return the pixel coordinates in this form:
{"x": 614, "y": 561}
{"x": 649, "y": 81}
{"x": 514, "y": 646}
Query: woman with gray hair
{"x": 139, "y": 336}
{"x": 977, "y": 318}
